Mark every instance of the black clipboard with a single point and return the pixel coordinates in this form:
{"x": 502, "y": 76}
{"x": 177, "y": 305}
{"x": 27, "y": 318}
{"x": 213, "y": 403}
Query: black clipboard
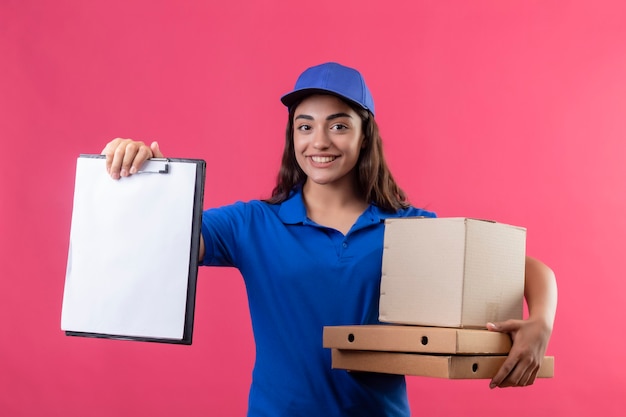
{"x": 133, "y": 257}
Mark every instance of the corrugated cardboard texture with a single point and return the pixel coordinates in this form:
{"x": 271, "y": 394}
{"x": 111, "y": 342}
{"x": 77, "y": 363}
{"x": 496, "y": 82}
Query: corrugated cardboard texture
{"x": 419, "y": 339}
{"x": 451, "y": 272}
{"x": 417, "y": 364}
{"x": 495, "y": 259}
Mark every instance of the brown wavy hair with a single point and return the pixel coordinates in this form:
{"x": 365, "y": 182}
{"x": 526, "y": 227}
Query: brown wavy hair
{"x": 373, "y": 177}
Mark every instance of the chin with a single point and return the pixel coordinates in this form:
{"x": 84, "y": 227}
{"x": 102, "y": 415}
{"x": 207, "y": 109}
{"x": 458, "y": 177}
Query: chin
{"x": 320, "y": 179}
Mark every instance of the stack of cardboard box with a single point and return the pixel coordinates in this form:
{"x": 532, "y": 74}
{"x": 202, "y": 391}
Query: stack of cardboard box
{"x": 442, "y": 281}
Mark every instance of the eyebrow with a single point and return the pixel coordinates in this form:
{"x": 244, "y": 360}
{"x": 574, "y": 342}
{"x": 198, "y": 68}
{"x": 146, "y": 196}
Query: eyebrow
{"x": 330, "y": 117}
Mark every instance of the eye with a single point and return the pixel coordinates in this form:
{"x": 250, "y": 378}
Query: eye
{"x": 303, "y": 127}
{"x": 339, "y": 126}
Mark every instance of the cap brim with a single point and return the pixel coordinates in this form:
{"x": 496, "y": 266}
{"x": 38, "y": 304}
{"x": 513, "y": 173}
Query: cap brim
{"x": 290, "y": 99}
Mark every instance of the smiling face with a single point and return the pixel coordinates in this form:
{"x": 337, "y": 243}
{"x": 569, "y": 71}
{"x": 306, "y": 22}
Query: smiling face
{"x": 327, "y": 138}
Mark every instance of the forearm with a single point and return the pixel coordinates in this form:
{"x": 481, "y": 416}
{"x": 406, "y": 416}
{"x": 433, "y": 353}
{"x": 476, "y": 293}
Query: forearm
{"x": 540, "y": 292}
{"x": 202, "y": 249}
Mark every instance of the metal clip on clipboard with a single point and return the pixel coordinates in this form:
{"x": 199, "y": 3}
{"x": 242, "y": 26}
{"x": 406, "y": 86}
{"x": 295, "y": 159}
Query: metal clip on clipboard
{"x": 155, "y": 166}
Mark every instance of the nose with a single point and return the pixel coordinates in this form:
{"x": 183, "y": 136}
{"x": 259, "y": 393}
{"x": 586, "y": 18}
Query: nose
{"x": 321, "y": 140}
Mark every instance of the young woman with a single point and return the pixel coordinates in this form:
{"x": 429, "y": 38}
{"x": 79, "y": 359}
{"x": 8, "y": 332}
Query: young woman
{"x": 311, "y": 255}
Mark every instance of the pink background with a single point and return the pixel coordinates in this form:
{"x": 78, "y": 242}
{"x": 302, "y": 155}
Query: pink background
{"x": 508, "y": 110}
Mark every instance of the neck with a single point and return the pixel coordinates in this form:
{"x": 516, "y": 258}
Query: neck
{"x": 332, "y": 195}
{"x": 332, "y": 205}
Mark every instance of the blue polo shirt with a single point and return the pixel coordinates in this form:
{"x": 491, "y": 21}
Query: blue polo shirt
{"x": 300, "y": 277}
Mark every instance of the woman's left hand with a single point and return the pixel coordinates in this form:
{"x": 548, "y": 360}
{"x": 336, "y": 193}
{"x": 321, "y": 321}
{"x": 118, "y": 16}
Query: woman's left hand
{"x": 530, "y": 340}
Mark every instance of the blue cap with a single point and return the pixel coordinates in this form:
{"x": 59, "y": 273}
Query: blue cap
{"x": 331, "y": 78}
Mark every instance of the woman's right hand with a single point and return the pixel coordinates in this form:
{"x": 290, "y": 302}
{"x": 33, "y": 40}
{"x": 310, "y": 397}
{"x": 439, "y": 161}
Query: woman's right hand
{"x": 125, "y": 157}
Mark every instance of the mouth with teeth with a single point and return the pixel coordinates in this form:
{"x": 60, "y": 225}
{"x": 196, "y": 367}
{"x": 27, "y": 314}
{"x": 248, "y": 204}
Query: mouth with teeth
{"x": 323, "y": 159}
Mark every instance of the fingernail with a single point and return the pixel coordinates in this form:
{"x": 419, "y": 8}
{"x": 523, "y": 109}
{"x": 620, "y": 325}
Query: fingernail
{"x": 123, "y": 172}
{"x": 133, "y": 170}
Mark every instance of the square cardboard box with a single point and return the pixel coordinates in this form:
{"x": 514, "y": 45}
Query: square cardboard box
{"x": 418, "y": 339}
{"x": 451, "y": 272}
{"x": 436, "y": 366}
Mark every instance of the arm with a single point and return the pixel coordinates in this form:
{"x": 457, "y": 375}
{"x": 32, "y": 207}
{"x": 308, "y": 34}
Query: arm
{"x": 125, "y": 157}
{"x": 530, "y": 337}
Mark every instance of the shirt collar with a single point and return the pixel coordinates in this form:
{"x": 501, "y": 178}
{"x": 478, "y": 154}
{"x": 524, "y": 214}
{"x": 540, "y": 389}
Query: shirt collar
{"x": 293, "y": 211}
